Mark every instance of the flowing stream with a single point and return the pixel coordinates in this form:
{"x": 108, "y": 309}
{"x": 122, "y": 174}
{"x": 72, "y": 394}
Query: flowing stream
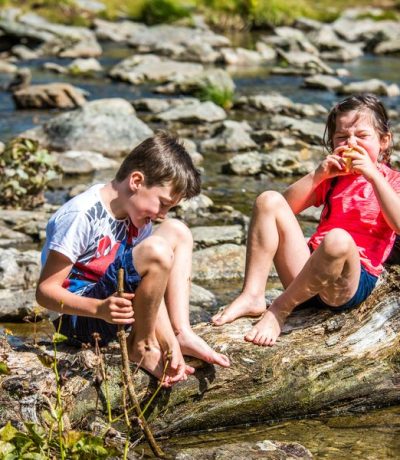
{"x": 373, "y": 435}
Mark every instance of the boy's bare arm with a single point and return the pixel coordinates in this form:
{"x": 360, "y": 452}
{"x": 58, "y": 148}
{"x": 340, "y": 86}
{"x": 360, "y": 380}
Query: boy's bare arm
{"x": 52, "y": 295}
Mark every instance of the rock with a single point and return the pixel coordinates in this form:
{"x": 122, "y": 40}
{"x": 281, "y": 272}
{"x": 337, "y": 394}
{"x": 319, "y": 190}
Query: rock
{"x": 216, "y": 79}
{"x": 7, "y": 67}
{"x": 32, "y": 223}
{"x": 305, "y": 60}
{"x": 84, "y": 66}
{"x": 267, "y": 52}
{"x": 365, "y": 30}
{"x": 266, "y": 449}
{"x": 18, "y": 270}
{"x": 15, "y": 305}
{"x": 92, "y": 6}
{"x": 219, "y": 262}
{"x": 157, "y": 105}
{"x": 194, "y": 113}
{"x": 307, "y": 130}
{"x": 245, "y": 164}
{"x": 284, "y": 162}
{"x": 241, "y": 57}
{"x": 24, "y": 53}
{"x": 202, "y": 297}
{"x": 107, "y": 126}
{"x": 147, "y": 67}
{"x": 231, "y": 136}
{"x": 198, "y": 315}
{"x": 325, "y": 82}
{"x": 194, "y": 207}
{"x": 276, "y": 103}
{"x": 374, "y": 85}
{"x": 325, "y": 363}
{"x": 191, "y": 149}
{"x": 388, "y": 47}
{"x": 10, "y": 237}
{"x": 83, "y": 162}
{"x": 51, "y": 95}
{"x": 205, "y": 237}
{"x": 53, "y": 67}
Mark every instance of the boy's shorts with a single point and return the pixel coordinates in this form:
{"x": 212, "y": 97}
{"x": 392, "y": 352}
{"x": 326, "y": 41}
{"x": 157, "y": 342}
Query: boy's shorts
{"x": 365, "y": 287}
{"x": 80, "y": 329}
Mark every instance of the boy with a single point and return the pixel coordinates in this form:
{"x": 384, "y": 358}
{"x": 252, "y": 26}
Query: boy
{"x": 110, "y": 226}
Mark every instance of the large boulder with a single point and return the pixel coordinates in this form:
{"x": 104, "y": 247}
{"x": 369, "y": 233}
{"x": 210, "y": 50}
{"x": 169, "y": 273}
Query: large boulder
{"x": 49, "y": 96}
{"x": 107, "y": 126}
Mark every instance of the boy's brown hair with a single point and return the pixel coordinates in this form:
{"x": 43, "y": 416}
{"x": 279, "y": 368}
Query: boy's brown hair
{"x": 162, "y": 159}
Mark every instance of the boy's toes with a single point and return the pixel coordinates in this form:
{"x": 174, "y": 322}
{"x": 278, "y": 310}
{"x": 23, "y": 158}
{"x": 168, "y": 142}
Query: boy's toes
{"x": 189, "y": 370}
{"x": 250, "y": 336}
{"x": 222, "y": 360}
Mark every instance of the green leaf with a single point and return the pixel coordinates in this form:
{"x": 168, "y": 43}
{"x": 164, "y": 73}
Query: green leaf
{"x": 5, "y": 450}
{"x": 4, "y": 369}
{"x": 58, "y": 338}
{"x": 8, "y": 432}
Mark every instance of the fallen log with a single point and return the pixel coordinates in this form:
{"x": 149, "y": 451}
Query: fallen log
{"x": 324, "y": 363}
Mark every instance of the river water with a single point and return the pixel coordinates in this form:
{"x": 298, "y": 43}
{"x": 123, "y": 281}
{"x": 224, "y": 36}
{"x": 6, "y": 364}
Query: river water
{"x": 374, "y": 435}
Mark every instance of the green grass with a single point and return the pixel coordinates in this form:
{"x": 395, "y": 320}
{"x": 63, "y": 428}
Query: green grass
{"x": 231, "y": 13}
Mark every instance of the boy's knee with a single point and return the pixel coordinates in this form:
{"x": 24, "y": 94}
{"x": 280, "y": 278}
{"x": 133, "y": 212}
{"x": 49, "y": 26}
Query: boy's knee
{"x": 179, "y": 229}
{"x": 269, "y": 200}
{"x": 337, "y": 243}
{"x": 155, "y": 250}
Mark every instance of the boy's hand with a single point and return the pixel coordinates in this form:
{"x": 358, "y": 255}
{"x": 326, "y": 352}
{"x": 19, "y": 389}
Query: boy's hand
{"x": 116, "y": 310}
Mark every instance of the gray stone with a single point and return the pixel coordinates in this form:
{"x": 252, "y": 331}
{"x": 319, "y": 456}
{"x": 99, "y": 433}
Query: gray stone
{"x": 194, "y": 113}
{"x": 202, "y": 297}
{"x": 84, "y": 66}
{"x": 18, "y": 270}
{"x": 231, "y": 136}
{"x": 219, "y": 262}
{"x": 374, "y": 85}
{"x": 326, "y": 82}
{"x": 307, "y": 130}
{"x": 241, "y": 57}
{"x": 10, "y": 237}
{"x": 244, "y": 164}
{"x": 24, "y": 53}
{"x": 7, "y": 67}
{"x": 107, "y": 126}
{"x": 388, "y": 47}
{"x": 305, "y": 60}
{"x": 140, "y": 68}
{"x": 284, "y": 162}
{"x": 213, "y": 235}
{"x": 51, "y": 95}
{"x": 83, "y": 162}
{"x": 15, "y": 305}
{"x": 32, "y": 223}
{"x": 267, "y": 52}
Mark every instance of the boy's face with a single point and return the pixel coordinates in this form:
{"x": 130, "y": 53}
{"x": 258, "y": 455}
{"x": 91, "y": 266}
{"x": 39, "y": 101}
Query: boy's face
{"x": 150, "y": 203}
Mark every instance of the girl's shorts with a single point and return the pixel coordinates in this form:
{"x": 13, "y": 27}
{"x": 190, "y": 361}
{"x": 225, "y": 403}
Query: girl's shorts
{"x": 365, "y": 287}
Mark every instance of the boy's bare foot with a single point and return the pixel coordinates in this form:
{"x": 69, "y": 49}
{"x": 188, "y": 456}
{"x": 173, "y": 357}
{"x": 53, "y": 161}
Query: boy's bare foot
{"x": 244, "y": 305}
{"x": 192, "y": 345}
{"x": 268, "y": 329}
{"x": 152, "y": 359}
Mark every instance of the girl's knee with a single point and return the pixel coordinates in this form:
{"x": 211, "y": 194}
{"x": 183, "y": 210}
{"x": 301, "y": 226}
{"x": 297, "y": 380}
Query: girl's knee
{"x": 270, "y": 200}
{"x": 337, "y": 243}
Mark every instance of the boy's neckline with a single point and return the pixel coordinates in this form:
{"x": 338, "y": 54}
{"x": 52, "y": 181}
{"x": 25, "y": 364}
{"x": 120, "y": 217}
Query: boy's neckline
{"x": 106, "y": 195}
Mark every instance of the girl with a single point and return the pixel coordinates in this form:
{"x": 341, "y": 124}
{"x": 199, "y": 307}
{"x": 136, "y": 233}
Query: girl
{"x": 340, "y": 265}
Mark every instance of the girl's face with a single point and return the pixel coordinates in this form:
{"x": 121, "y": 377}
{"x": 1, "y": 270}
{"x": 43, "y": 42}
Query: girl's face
{"x": 357, "y": 128}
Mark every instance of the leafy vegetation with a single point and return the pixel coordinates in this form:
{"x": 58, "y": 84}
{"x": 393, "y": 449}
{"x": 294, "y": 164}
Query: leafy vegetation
{"x": 220, "y": 96}
{"x": 238, "y": 13}
{"x": 25, "y": 171}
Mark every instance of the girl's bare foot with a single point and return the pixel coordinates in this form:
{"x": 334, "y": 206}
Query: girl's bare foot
{"x": 268, "y": 329}
{"x": 244, "y": 305}
{"x": 192, "y": 345}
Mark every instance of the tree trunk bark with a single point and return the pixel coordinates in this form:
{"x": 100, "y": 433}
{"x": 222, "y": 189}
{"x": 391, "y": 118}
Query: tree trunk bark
{"x": 324, "y": 363}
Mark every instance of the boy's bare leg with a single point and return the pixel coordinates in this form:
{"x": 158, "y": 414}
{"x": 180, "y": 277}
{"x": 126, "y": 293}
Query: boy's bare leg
{"x": 274, "y": 235}
{"x": 332, "y": 271}
{"x": 180, "y": 240}
{"x": 153, "y": 259}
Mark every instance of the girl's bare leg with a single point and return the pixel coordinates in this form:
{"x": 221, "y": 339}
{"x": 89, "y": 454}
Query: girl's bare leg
{"x": 332, "y": 271}
{"x": 274, "y": 235}
{"x": 180, "y": 240}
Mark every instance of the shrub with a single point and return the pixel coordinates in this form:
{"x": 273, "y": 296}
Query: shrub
{"x": 25, "y": 171}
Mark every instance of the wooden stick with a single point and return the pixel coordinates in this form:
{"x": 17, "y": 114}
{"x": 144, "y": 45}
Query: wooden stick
{"x": 128, "y": 380}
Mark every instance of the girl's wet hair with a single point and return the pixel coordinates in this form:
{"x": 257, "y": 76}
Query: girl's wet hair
{"x": 163, "y": 160}
{"x": 359, "y": 103}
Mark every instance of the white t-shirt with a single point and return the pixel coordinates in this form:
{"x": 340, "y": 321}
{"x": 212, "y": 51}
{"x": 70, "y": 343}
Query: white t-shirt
{"x": 84, "y": 231}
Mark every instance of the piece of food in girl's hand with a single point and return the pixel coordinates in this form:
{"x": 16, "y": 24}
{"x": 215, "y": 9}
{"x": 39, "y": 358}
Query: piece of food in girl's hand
{"x": 347, "y": 160}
